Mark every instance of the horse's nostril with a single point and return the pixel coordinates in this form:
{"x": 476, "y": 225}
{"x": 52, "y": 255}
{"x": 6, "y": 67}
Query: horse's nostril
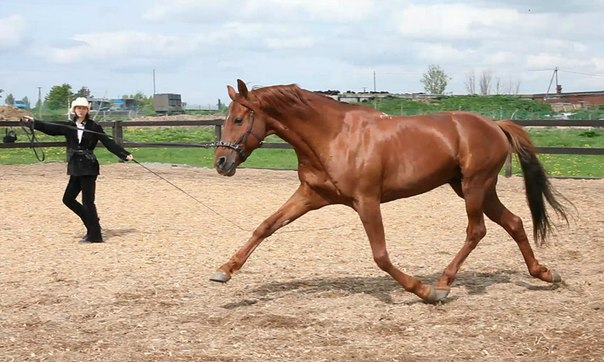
{"x": 220, "y": 161}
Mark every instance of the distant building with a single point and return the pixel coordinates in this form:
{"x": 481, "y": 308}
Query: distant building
{"x": 167, "y": 103}
{"x": 359, "y": 97}
{"x": 116, "y": 106}
{"x": 100, "y": 104}
{"x": 570, "y": 101}
{"x": 123, "y": 104}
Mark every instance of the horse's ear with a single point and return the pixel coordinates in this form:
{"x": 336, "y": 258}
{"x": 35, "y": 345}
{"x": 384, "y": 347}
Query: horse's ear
{"x": 242, "y": 88}
{"x": 232, "y": 93}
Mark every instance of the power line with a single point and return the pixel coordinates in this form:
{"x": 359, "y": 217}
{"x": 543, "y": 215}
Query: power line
{"x": 581, "y": 73}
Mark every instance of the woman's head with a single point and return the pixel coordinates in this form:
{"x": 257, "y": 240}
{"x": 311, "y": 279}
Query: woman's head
{"x": 80, "y": 107}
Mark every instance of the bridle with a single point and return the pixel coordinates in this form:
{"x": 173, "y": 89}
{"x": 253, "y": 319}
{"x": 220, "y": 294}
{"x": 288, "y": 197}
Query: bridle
{"x": 239, "y": 145}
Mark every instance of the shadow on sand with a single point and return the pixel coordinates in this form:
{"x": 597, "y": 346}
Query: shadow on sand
{"x": 381, "y": 287}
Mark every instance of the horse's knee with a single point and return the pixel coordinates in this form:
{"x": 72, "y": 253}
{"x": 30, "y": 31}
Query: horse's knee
{"x": 382, "y": 260}
{"x": 481, "y": 232}
{"x": 476, "y": 233}
{"x": 515, "y": 226}
{"x": 262, "y": 231}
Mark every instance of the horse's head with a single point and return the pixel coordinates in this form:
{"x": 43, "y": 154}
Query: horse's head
{"x": 243, "y": 131}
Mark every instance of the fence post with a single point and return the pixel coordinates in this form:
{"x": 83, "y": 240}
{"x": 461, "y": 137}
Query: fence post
{"x": 508, "y": 165}
{"x": 217, "y": 132}
{"x": 118, "y": 132}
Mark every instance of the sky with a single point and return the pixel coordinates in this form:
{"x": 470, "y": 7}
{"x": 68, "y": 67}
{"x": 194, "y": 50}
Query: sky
{"x": 197, "y": 48}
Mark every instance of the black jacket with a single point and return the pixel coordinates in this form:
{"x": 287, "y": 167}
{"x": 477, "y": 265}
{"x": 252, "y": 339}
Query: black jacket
{"x": 81, "y": 160}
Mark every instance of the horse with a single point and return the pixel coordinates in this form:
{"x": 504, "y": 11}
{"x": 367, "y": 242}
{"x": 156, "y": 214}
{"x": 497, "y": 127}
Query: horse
{"x": 357, "y": 156}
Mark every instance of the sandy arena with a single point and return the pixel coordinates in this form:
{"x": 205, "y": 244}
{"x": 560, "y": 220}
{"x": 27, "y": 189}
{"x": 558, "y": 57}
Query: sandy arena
{"x": 311, "y": 292}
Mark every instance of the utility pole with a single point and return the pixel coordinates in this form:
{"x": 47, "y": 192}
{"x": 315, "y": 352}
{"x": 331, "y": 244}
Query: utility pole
{"x": 153, "y": 81}
{"x": 554, "y": 75}
{"x": 39, "y": 102}
{"x": 375, "y": 92}
{"x": 374, "y": 84}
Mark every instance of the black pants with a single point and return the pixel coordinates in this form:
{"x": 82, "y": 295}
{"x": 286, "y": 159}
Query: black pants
{"x": 87, "y": 209}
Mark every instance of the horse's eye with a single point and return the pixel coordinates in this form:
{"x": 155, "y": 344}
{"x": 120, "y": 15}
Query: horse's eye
{"x": 238, "y": 120}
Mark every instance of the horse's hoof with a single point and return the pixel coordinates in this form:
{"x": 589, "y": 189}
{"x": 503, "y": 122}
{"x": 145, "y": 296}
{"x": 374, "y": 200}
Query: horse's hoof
{"x": 437, "y": 294}
{"x": 556, "y": 278}
{"x": 220, "y": 276}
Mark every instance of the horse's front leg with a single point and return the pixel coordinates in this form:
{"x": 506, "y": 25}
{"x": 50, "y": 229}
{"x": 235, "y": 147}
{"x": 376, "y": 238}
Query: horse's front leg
{"x": 302, "y": 201}
{"x": 371, "y": 217}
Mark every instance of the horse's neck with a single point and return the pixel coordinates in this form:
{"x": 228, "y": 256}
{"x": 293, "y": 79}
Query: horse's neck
{"x": 308, "y": 135}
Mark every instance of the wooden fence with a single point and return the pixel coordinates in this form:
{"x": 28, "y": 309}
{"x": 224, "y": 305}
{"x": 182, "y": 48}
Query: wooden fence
{"x": 599, "y": 123}
{"x": 117, "y": 131}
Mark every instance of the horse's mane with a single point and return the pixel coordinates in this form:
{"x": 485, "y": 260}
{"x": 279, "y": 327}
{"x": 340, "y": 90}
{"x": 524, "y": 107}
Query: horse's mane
{"x": 286, "y": 97}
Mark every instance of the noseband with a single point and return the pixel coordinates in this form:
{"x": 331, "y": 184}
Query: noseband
{"x": 238, "y": 145}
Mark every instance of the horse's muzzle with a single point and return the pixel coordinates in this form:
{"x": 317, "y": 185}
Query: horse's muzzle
{"x": 226, "y": 166}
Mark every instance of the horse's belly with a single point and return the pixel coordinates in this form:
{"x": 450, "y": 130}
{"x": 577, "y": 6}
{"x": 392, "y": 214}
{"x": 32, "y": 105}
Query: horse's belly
{"x": 407, "y": 183}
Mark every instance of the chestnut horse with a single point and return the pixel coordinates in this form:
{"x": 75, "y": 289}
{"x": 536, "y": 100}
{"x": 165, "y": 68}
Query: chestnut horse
{"x": 357, "y": 156}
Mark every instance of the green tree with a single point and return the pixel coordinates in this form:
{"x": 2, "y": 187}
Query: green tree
{"x": 26, "y": 101}
{"x": 221, "y": 106}
{"x": 59, "y": 96}
{"x": 83, "y": 92}
{"x": 143, "y": 103}
{"x": 435, "y": 80}
{"x": 10, "y": 100}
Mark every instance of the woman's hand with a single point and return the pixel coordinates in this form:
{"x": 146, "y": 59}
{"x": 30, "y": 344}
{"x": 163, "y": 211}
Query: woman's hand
{"x": 27, "y": 119}
{"x": 130, "y": 157}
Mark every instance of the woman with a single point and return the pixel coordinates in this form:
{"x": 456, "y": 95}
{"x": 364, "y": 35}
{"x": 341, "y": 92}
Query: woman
{"x": 82, "y": 135}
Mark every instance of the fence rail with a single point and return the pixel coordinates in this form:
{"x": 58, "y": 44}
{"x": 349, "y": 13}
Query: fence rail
{"x": 117, "y": 131}
{"x": 597, "y": 123}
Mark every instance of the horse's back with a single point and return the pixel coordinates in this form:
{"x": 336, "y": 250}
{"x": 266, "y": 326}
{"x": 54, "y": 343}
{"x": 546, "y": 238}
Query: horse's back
{"x": 424, "y": 152}
{"x": 457, "y": 132}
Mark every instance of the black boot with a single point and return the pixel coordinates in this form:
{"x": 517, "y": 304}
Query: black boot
{"x": 89, "y": 239}
{"x": 93, "y": 232}
{"x": 88, "y": 229}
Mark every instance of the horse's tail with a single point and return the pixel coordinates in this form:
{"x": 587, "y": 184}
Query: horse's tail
{"x": 536, "y": 183}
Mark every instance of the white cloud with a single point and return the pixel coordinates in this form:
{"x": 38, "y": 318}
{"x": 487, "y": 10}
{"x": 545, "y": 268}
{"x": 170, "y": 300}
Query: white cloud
{"x": 454, "y": 21}
{"x": 501, "y": 58}
{"x": 233, "y": 37}
{"x": 443, "y": 53}
{"x": 550, "y": 61}
{"x": 324, "y": 10}
{"x": 299, "y": 42}
{"x": 203, "y": 11}
{"x": 188, "y": 10}
{"x": 109, "y": 45}
{"x": 12, "y": 31}
{"x": 598, "y": 65}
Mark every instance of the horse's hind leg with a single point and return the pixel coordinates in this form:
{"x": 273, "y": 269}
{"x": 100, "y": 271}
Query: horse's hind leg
{"x": 497, "y": 212}
{"x": 473, "y": 194}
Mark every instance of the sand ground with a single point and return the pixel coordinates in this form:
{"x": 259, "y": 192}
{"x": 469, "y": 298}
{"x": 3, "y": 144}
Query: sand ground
{"x": 311, "y": 292}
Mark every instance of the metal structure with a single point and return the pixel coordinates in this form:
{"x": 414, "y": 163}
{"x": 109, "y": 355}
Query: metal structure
{"x": 167, "y": 103}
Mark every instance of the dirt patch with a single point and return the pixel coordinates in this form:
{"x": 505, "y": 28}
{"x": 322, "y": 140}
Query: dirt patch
{"x": 10, "y": 113}
{"x": 311, "y": 292}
